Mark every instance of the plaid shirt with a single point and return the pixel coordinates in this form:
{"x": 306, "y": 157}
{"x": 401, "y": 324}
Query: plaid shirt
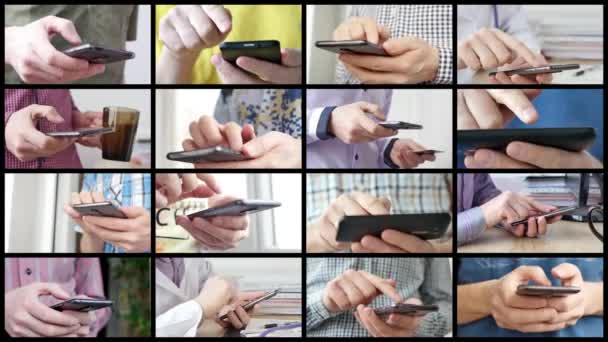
{"x": 126, "y": 189}
{"x": 428, "y": 279}
{"x": 431, "y": 23}
{"x": 410, "y": 193}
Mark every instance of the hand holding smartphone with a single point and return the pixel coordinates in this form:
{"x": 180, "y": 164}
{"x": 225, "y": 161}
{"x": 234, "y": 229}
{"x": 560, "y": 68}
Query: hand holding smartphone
{"x": 82, "y": 132}
{"x": 212, "y": 154}
{"x": 547, "y": 69}
{"x": 103, "y": 209}
{"x": 561, "y": 211}
{"x": 249, "y": 305}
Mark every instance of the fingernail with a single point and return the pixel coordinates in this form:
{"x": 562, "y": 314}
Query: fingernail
{"x": 529, "y": 114}
{"x": 484, "y": 158}
{"x": 515, "y": 150}
{"x": 216, "y": 60}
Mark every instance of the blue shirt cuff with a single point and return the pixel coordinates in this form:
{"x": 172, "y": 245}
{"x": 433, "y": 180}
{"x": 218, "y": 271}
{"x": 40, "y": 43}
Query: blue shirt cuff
{"x": 323, "y": 126}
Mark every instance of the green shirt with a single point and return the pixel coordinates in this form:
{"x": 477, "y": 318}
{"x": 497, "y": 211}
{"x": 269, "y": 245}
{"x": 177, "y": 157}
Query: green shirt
{"x": 104, "y": 25}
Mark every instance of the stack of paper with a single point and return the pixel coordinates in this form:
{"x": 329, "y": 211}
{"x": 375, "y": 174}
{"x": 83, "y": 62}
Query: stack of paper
{"x": 287, "y": 302}
{"x": 568, "y": 32}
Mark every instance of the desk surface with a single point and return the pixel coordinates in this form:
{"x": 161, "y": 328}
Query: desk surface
{"x": 594, "y": 76}
{"x": 561, "y": 237}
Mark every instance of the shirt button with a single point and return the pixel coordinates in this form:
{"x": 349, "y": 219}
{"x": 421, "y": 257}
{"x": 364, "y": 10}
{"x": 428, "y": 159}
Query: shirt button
{"x": 357, "y": 156}
{"x": 28, "y": 271}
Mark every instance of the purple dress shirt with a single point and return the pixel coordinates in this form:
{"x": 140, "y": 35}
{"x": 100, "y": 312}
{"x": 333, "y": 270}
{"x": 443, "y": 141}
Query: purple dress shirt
{"x": 173, "y": 268}
{"x": 474, "y": 189}
{"x": 333, "y": 153}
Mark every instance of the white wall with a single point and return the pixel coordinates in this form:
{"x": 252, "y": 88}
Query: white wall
{"x": 137, "y": 70}
{"x": 432, "y": 108}
{"x": 321, "y": 21}
{"x": 96, "y": 99}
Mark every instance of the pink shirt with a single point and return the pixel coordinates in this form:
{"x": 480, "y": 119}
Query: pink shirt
{"x": 61, "y": 100}
{"x": 75, "y": 275}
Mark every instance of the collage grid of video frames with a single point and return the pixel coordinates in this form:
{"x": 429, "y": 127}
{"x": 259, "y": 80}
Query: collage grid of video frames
{"x": 157, "y": 183}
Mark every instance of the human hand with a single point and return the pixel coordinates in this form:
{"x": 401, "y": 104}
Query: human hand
{"x": 206, "y": 132}
{"x": 519, "y": 63}
{"x": 270, "y": 151}
{"x": 256, "y": 71}
{"x": 29, "y": 51}
{"x": 403, "y": 154}
{"x": 188, "y": 29}
{"x": 131, "y": 234}
{"x": 523, "y": 313}
{"x": 220, "y": 232}
{"x": 572, "y": 307}
{"x": 509, "y": 207}
{"x": 323, "y": 232}
{"x": 490, "y": 48}
{"x": 170, "y": 189}
{"x": 395, "y": 325}
{"x": 495, "y": 108}
{"x": 26, "y": 316}
{"x": 237, "y": 317}
{"x": 523, "y": 155}
{"x": 351, "y": 124}
{"x": 352, "y": 288}
{"x": 26, "y": 142}
{"x": 89, "y": 120}
{"x": 215, "y": 294}
{"x": 411, "y": 60}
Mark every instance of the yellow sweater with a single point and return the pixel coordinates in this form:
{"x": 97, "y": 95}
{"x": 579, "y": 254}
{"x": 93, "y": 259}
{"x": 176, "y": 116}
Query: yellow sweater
{"x": 249, "y": 22}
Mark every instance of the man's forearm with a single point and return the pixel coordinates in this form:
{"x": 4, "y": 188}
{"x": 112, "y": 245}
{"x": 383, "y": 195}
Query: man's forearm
{"x": 173, "y": 70}
{"x": 474, "y": 301}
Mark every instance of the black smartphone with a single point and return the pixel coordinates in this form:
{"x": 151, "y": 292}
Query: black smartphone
{"x": 249, "y": 305}
{"x": 83, "y": 132}
{"x": 351, "y": 46}
{"x": 546, "y": 291}
{"x": 424, "y": 226}
{"x": 399, "y": 125}
{"x": 104, "y": 209}
{"x": 547, "y": 69}
{"x": 236, "y": 208}
{"x": 406, "y": 309}
{"x": 570, "y": 139}
{"x": 82, "y": 304}
{"x": 211, "y": 154}
{"x": 267, "y": 50}
{"x": 421, "y": 152}
{"x": 98, "y": 54}
{"x": 561, "y": 211}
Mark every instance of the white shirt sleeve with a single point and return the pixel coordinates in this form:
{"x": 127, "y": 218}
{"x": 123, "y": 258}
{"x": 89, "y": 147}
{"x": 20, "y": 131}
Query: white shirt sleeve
{"x": 312, "y": 121}
{"x": 180, "y": 321}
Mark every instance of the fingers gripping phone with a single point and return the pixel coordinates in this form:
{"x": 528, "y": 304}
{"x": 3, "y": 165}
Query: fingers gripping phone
{"x": 546, "y": 291}
{"x": 212, "y": 154}
{"x": 406, "y": 309}
{"x": 236, "y": 208}
{"x": 267, "y": 50}
{"x": 547, "y": 69}
{"x": 554, "y": 213}
{"x": 82, "y": 304}
{"x": 249, "y": 305}
{"x": 83, "y": 132}
{"x": 424, "y": 226}
{"x": 351, "y": 46}
{"x": 104, "y": 209}
{"x": 98, "y": 54}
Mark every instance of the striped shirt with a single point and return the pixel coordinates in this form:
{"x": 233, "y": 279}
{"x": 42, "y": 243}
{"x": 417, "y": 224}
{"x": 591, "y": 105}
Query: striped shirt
{"x": 77, "y": 276}
{"x": 428, "y": 279}
{"x": 410, "y": 193}
{"x": 126, "y": 189}
{"x": 61, "y": 100}
{"x": 431, "y": 23}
